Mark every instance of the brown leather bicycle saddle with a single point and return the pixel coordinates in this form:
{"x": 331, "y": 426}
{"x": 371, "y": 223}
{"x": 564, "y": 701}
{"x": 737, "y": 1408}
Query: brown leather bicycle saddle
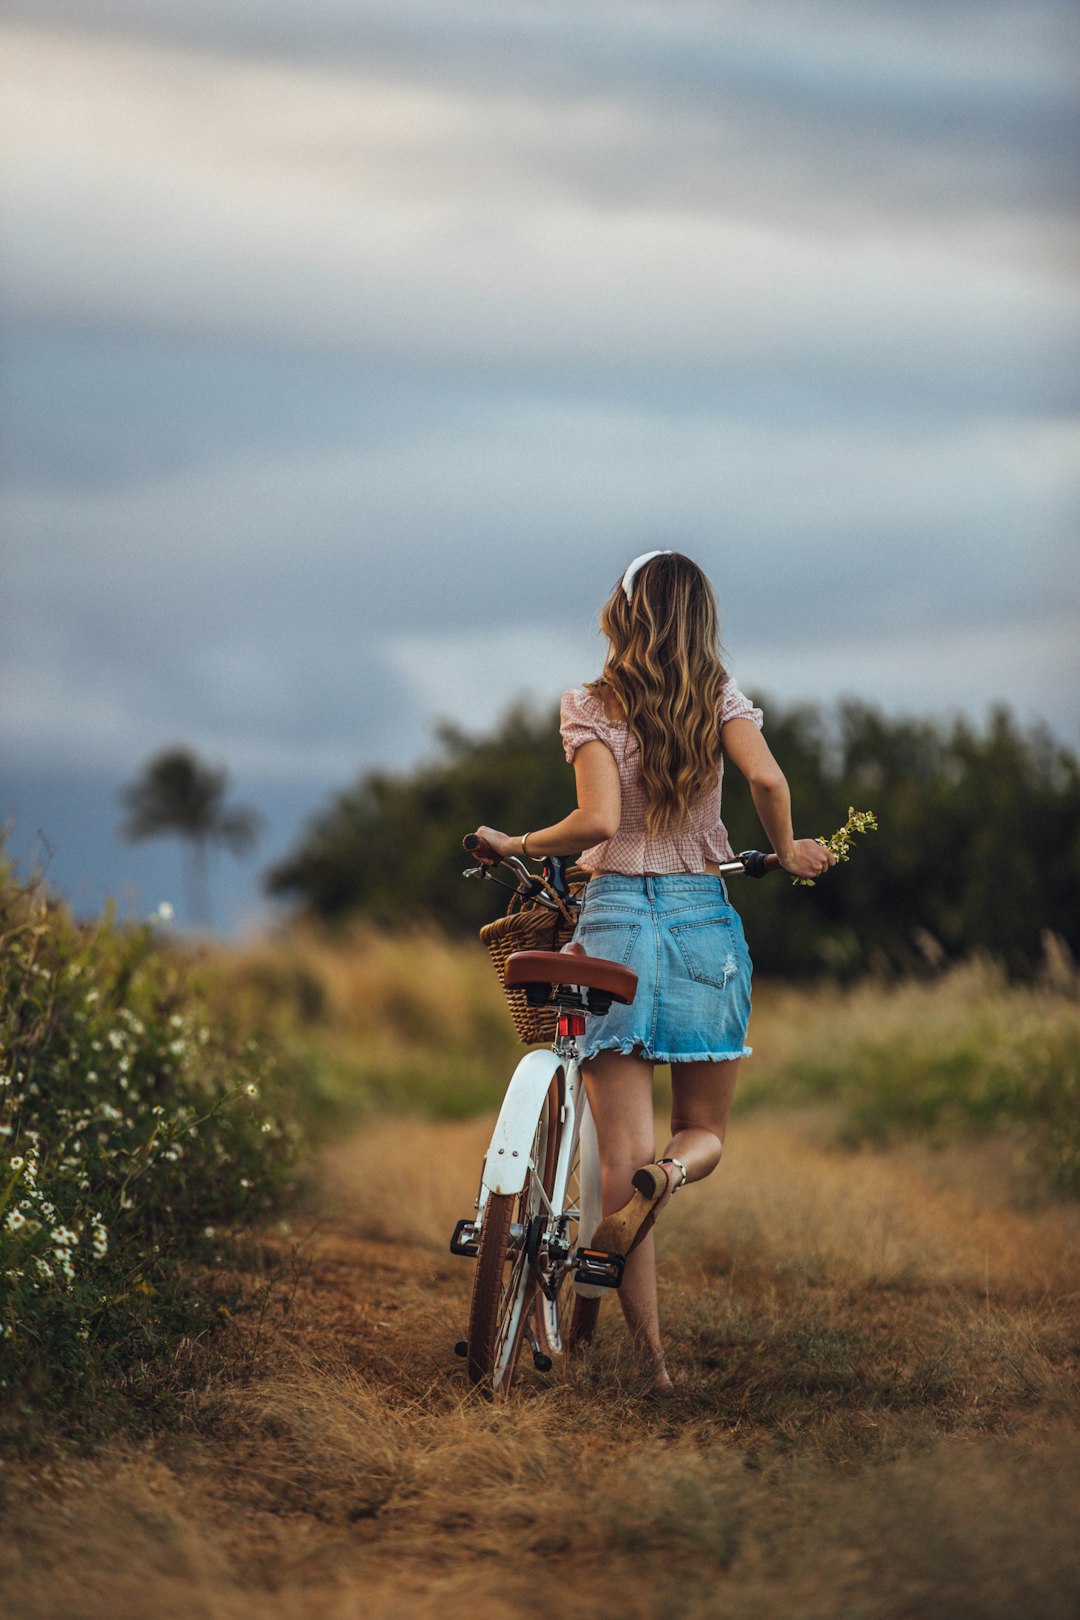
{"x": 572, "y": 968}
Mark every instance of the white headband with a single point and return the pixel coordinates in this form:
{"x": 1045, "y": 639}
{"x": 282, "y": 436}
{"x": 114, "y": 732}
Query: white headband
{"x": 639, "y": 562}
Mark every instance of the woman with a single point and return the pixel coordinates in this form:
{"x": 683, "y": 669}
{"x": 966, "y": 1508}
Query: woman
{"x": 648, "y": 742}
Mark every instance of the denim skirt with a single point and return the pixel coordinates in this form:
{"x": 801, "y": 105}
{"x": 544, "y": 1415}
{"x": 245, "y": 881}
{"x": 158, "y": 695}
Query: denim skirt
{"x": 686, "y": 944}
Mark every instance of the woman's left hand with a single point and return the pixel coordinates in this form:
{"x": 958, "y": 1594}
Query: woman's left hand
{"x": 500, "y": 842}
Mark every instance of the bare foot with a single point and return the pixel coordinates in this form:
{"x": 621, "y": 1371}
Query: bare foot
{"x": 662, "y": 1384}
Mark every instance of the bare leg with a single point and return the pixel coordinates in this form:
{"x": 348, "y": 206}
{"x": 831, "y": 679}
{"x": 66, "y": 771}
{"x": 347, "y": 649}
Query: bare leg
{"x": 621, "y": 1099}
{"x": 620, "y": 1096}
{"x": 700, "y": 1104}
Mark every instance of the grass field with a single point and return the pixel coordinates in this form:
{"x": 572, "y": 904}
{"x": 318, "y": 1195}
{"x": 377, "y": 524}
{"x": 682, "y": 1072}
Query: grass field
{"x": 875, "y": 1334}
{"x": 415, "y": 1023}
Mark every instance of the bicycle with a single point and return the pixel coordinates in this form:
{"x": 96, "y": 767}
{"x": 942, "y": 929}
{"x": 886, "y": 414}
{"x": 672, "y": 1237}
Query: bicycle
{"x": 540, "y": 1179}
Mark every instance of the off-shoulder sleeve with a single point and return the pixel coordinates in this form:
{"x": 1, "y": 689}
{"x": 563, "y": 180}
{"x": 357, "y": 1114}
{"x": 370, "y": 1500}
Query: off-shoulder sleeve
{"x": 736, "y": 706}
{"x": 582, "y": 720}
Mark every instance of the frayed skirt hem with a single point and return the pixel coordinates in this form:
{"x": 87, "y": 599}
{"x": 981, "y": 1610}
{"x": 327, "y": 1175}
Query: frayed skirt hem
{"x": 630, "y": 1048}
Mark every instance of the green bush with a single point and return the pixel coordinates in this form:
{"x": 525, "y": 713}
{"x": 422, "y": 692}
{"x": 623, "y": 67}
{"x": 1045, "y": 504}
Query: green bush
{"x": 135, "y": 1135}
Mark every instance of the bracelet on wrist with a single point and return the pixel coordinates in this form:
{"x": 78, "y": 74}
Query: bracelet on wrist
{"x": 525, "y": 847}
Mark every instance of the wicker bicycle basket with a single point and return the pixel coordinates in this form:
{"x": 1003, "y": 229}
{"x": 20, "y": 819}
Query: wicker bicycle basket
{"x": 529, "y": 927}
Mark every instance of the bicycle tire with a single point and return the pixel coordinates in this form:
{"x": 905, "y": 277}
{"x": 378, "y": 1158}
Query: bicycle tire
{"x": 504, "y": 1284}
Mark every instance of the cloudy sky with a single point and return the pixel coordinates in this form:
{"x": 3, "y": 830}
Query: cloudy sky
{"x": 351, "y": 350}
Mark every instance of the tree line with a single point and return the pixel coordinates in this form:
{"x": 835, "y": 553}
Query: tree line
{"x": 978, "y": 847}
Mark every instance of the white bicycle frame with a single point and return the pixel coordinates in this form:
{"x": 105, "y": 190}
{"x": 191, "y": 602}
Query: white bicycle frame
{"x": 509, "y": 1162}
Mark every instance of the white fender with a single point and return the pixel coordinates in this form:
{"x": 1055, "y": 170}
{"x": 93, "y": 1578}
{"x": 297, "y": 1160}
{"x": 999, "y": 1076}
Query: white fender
{"x": 508, "y": 1156}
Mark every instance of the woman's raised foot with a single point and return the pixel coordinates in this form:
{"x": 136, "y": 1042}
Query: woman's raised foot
{"x": 620, "y": 1231}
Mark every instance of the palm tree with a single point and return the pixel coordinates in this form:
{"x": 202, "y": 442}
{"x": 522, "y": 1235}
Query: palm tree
{"x": 178, "y": 795}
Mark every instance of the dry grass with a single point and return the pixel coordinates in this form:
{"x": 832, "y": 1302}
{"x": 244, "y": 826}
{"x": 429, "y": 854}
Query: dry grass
{"x": 964, "y": 1053}
{"x": 861, "y": 1428}
{"x": 416, "y": 1023}
{"x": 371, "y": 1020}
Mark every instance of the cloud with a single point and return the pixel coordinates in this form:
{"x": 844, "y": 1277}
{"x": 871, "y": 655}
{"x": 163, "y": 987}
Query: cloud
{"x": 917, "y": 672}
{"x": 341, "y": 207}
{"x": 357, "y": 352}
{"x": 315, "y": 610}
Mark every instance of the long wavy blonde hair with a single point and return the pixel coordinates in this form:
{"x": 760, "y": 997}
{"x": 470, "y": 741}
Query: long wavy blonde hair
{"x": 664, "y": 667}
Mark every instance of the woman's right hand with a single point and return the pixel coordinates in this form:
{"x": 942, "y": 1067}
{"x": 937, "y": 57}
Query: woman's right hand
{"x": 495, "y": 845}
{"x": 807, "y": 858}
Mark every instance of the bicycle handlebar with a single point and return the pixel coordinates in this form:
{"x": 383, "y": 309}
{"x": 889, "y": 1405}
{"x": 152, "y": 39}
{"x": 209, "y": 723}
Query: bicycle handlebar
{"x": 750, "y": 863}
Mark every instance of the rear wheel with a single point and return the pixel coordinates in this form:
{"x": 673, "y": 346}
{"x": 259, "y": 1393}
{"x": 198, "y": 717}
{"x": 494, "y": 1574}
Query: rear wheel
{"x": 567, "y": 1322}
{"x": 552, "y": 1314}
{"x": 504, "y": 1286}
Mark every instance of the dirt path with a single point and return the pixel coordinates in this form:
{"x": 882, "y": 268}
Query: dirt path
{"x": 876, "y": 1415}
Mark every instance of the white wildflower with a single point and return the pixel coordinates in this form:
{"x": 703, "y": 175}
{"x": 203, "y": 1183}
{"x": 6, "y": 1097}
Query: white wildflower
{"x": 164, "y": 913}
{"x": 251, "y": 1090}
{"x": 15, "y": 1220}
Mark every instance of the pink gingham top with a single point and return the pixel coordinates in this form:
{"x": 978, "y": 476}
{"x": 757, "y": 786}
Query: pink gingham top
{"x": 702, "y": 836}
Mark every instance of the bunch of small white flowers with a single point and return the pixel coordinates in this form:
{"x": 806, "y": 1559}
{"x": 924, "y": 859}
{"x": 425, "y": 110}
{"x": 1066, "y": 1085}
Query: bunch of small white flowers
{"x": 858, "y": 821}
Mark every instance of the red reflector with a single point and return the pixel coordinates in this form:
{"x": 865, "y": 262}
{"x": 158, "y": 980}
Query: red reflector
{"x": 571, "y": 1023}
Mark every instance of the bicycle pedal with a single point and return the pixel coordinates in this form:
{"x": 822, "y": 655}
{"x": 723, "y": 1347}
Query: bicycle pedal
{"x": 465, "y": 1240}
{"x": 600, "y": 1267}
